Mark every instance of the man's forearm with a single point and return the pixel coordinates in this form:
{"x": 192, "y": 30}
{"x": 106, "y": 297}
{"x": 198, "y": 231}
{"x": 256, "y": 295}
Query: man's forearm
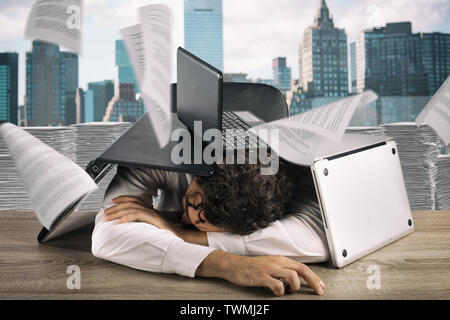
{"x": 216, "y": 265}
{"x": 192, "y": 236}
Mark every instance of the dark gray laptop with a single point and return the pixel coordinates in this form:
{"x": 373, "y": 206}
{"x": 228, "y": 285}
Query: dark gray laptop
{"x": 198, "y": 97}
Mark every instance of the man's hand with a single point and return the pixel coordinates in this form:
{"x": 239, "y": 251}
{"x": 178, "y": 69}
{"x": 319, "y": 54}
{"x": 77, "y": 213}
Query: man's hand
{"x": 129, "y": 209}
{"x": 267, "y": 271}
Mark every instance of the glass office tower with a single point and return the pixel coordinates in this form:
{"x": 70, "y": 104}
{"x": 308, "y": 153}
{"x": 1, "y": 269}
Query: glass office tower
{"x": 281, "y": 74}
{"x": 124, "y": 69}
{"x": 394, "y": 61}
{"x": 51, "y": 82}
{"x": 124, "y": 106}
{"x": 9, "y": 86}
{"x": 69, "y": 78}
{"x": 203, "y": 30}
{"x": 389, "y": 61}
{"x": 324, "y": 57}
{"x": 436, "y": 58}
{"x": 103, "y": 92}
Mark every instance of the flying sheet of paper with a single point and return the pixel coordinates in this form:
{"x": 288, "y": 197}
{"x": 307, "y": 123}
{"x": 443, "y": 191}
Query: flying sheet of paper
{"x": 437, "y": 112}
{"x": 331, "y": 120}
{"x": 156, "y": 27}
{"x": 299, "y": 136}
{"x": 52, "y": 181}
{"x": 295, "y": 145}
{"x": 57, "y": 22}
{"x": 132, "y": 36}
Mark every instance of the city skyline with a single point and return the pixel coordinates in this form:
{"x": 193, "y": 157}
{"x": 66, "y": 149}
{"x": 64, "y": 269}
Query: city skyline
{"x": 253, "y": 34}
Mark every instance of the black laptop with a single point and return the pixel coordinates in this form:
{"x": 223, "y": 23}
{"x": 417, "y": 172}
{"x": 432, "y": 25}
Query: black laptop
{"x": 198, "y": 97}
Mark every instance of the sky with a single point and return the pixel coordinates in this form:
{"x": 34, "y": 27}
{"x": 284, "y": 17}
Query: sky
{"x": 255, "y": 31}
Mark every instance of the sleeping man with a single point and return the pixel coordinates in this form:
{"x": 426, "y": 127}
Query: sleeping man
{"x": 237, "y": 225}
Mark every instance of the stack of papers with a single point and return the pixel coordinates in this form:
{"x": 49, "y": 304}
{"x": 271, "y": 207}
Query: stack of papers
{"x": 13, "y": 195}
{"x": 92, "y": 139}
{"x": 443, "y": 182}
{"x": 433, "y": 146}
{"x": 62, "y": 139}
{"x": 379, "y": 131}
{"x": 95, "y": 137}
{"x": 80, "y": 143}
{"x": 12, "y": 192}
{"x": 418, "y": 148}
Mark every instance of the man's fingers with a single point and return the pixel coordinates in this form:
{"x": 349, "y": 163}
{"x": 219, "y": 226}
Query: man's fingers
{"x": 120, "y": 214}
{"x": 275, "y": 285}
{"x": 290, "y": 278}
{"x": 128, "y": 218}
{"x": 310, "y": 277}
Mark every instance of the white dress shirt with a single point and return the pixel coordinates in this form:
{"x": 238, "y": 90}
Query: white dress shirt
{"x": 143, "y": 246}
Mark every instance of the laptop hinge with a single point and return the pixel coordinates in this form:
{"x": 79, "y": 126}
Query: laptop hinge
{"x": 356, "y": 150}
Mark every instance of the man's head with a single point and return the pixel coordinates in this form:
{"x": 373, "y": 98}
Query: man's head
{"x": 237, "y": 199}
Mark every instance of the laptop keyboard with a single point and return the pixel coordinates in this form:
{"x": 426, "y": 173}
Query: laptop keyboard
{"x": 241, "y": 138}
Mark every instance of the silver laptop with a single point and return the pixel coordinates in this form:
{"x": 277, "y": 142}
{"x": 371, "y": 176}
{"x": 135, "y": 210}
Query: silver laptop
{"x": 362, "y": 195}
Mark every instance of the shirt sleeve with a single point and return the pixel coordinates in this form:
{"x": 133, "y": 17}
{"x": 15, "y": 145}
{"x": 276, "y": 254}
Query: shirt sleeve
{"x": 141, "y": 245}
{"x": 140, "y": 182}
{"x": 292, "y": 236}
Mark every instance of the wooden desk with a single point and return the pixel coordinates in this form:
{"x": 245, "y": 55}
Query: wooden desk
{"x": 415, "y": 267}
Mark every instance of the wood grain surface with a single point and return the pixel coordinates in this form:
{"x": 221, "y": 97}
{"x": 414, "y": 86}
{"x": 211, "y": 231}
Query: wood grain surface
{"x": 415, "y": 267}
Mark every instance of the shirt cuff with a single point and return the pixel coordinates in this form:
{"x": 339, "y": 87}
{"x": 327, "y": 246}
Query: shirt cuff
{"x": 184, "y": 258}
{"x": 227, "y": 242}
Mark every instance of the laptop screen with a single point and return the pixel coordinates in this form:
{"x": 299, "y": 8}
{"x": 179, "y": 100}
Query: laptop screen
{"x": 199, "y": 92}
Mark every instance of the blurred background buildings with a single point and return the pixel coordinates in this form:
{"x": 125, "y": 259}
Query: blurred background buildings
{"x": 404, "y": 68}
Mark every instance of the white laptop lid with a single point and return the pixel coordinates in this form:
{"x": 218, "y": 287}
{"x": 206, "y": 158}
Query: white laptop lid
{"x": 362, "y": 196}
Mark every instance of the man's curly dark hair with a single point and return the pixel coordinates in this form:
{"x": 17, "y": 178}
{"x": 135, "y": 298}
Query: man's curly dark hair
{"x": 241, "y": 200}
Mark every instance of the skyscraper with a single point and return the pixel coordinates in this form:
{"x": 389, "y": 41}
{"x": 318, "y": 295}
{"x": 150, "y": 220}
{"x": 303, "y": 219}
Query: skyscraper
{"x": 324, "y": 57}
{"x": 281, "y": 74}
{"x": 297, "y": 100}
{"x": 389, "y": 61}
{"x": 124, "y": 69}
{"x": 69, "y": 77}
{"x": 51, "y": 81}
{"x": 102, "y": 91}
{"x": 436, "y": 58}
{"x": 203, "y": 30}
{"x": 124, "y": 106}
{"x": 9, "y": 86}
